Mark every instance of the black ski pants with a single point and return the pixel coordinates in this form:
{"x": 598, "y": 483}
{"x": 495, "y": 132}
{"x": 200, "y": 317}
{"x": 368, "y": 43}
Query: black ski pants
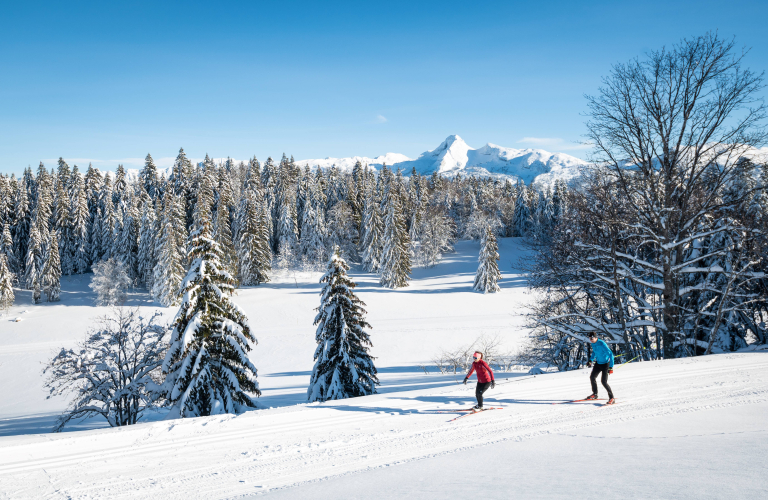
{"x": 597, "y": 368}
{"x": 479, "y": 390}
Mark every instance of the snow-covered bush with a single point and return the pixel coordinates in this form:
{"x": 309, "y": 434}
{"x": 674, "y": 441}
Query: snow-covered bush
{"x": 110, "y": 280}
{"x": 113, "y": 373}
{"x": 343, "y": 367}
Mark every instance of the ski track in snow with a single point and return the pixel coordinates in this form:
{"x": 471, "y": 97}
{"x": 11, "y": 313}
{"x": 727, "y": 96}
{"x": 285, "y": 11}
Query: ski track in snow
{"x": 227, "y": 456}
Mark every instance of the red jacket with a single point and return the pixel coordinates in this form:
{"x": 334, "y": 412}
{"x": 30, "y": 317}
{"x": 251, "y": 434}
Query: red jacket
{"x": 484, "y": 372}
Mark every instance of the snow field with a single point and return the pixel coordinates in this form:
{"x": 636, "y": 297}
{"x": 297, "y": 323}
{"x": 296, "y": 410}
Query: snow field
{"x": 394, "y": 444}
{"x": 228, "y": 456}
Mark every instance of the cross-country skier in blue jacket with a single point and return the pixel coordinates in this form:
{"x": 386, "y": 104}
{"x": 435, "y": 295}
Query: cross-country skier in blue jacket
{"x": 603, "y": 359}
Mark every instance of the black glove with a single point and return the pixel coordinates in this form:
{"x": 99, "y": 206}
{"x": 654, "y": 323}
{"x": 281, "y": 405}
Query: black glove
{"x": 589, "y": 364}
{"x": 493, "y": 384}
{"x": 465, "y": 380}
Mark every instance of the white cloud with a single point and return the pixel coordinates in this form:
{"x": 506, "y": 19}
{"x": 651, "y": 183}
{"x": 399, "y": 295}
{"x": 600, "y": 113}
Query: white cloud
{"x": 380, "y": 119}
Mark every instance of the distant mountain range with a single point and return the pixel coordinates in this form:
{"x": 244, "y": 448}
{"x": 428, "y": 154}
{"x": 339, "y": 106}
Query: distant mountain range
{"x": 454, "y": 156}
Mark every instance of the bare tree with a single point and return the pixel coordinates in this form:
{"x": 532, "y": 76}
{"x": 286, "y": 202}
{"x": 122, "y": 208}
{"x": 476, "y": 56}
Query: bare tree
{"x": 112, "y": 373}
{"x": 671, "y": 131}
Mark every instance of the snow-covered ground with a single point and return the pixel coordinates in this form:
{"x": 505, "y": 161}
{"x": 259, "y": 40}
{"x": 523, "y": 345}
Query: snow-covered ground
{"x": 690, "y": 428}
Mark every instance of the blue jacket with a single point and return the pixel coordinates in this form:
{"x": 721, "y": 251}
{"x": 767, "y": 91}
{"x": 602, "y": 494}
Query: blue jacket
{"x": 601, "y": 353}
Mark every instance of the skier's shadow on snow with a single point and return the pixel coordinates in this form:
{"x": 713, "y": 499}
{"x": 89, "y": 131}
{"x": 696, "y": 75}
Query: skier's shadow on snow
{"x": 486, "y": 398}
{"x": 370, "y": 409}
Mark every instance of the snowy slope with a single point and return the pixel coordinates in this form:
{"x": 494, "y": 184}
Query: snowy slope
{"x": 454, "y": 156}
{"x": 665, "y": 407}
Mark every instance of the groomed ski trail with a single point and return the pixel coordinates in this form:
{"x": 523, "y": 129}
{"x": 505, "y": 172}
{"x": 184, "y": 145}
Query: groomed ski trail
{"x": 227, "y": 456}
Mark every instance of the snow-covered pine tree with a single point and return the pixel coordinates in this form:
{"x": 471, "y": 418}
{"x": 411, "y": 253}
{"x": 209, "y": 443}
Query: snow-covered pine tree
{"x": 373, "y": 228}
{"x": 522, "y": 217}
{"x": 222, "y": 234}
{"x": 148, "y": 177}
{"x": 50, "y": 277}
{"x": 311, "y": 245}
{"x": 79, "y": 226}
{"x": 168, "y": 272}
{"x": 127, "y": 241}
{"x": 94, "y": 237}
{"x": 119, "y": 186}
{"x": 207, "y": 367}
{"x": 6, "y": 248}
{"x": 22, "y": 223}
{"x": 6, "y": 284}
{"x": 34, "y": 260}
{"x": 343, "y": 366}
{"x": 254, "y": 252}
{"x": 488, "y": 275}
{"x": 147, "y": 244}
{"x": 396, "y": 257}
{"x": 63, "y": 226}
{"x": 108, "y": 228}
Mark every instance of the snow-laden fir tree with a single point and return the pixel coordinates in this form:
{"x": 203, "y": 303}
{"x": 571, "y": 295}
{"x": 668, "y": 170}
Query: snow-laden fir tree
{"x": 79, "y": 226}
{"x": 254, "y": 254}
{"x": 6, "y": 284}
{"x": 6, "y": 249}
{"x": 34, "y": 260}
{"x": 169, "y": 271}
{"x": 373, "y": 227}
{"x": 148, "y": 177}
{"x": 311, "y": 244}
{"x": 207, "y": 367}
{"x": 94, "y": 237}
{"x": 343, "y": 366}
{"x": 63, "y": 226}
{"x": 222, "y": 234}
{"x": 488, "y": 275}
{"x": 147, "y": 245}
{"x": 396, "y": 257}
{"x": 108, "y": 229}
{"x": 50, "y": 277}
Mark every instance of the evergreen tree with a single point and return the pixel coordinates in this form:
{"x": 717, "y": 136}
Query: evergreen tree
{"x": 94, "y": 237}
{"x": 207, "y": 367}
{"x": 108, "y": 230}
{"x": 6, "y": 284}
{"x": 22, "y": 223}
{"x": 6, "y": 249}
{"x": 63, "y": 226}
{"x": 34, "y": 260}
{"x": 254, "y": 253}
{"x": 396, "y": 257}
{"x": 79, "y": 218}
{"x": 118, "y": 188}
{"x": 223, "y": 236}
{"x": 127, "y": 241}
{"x": 488, "y": 275}
{"x": 311, "y": 244}
{"x": 373, "y": 227}
{"x": 50, "y": 277}
{"x": 522, "y": 217}
{"x": 168, "y": 272}
{"x": 148, "y": 177}
{"x": 147, "y": 245}
{"x": 343, "y": 367}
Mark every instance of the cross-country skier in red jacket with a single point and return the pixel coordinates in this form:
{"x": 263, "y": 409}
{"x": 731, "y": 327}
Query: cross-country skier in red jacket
{"x": 485, "y": 378}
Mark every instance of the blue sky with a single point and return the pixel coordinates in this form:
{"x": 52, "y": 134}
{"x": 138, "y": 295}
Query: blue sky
{"x": 110, "y": 81}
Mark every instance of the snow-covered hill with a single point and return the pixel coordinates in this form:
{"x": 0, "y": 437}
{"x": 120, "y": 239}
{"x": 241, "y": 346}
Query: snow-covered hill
{"x": 454, "y": 156}
{"x": 689, "y": 428}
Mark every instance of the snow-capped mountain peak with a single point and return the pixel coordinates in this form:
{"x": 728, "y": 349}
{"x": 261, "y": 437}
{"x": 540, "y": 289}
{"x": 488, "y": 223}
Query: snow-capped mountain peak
{"x": 454, "y": 156}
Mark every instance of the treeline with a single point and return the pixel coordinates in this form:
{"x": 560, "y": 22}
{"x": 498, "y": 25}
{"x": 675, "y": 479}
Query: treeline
{"x": 264, "y": 216}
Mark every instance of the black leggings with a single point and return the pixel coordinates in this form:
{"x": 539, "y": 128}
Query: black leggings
{"x": 479, "y": 390}
{"x": 597, "y": 368}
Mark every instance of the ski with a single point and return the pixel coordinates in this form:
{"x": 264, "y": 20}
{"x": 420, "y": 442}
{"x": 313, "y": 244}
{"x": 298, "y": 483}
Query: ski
{"x": 577, "y": 401}
{"x": 473, "y": 413}
{"x": 607, "y": 404}
{"x": 462, "y": 410}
